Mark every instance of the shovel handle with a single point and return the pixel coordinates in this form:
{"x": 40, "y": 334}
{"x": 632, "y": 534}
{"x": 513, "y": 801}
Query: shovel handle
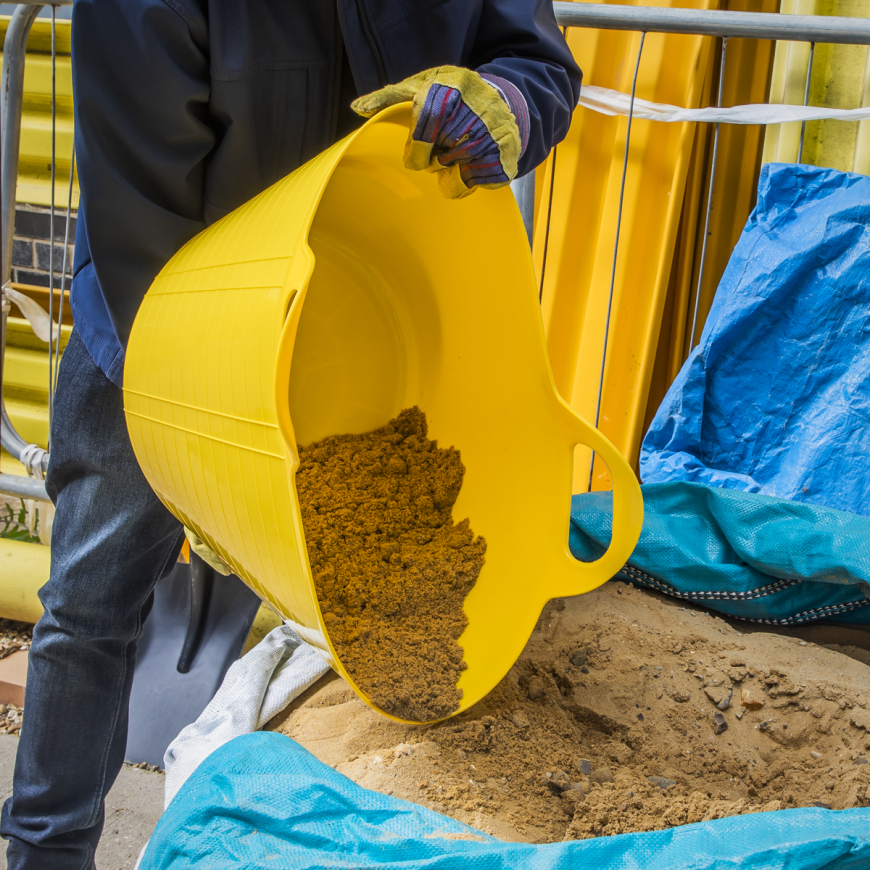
{"x": 627, "y": 508}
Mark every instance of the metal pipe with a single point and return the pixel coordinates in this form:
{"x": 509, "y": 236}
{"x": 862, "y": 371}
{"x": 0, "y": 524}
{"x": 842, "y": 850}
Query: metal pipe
{"x": 51, "y": 345}
{"x": 704, "y": 22}
{"x": 524, "y": 191}
{"x": 709, "y": 201}
{"x": 23, "y": 487}
{"x": 615, "y": 250}
{"x": 63, "y": 268}
{"x": 806, "y": 99}
{"x": 11, "y": 105}
{"x": 11, "y": 102}
{"x": 547, "y": 227}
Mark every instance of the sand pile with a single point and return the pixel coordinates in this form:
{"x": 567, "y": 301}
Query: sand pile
{"x": 390, "y": 566}
{"x": 626, "y": 712}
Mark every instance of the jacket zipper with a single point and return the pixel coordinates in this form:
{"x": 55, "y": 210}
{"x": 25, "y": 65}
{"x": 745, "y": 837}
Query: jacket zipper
{"x": 370, "y": 38}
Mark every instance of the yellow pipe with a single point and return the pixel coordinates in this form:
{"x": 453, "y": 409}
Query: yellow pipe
{"x": 24, "y": 568}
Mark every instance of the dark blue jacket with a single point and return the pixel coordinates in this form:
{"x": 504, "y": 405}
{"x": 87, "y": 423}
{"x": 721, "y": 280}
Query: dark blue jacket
{"x": 185, "y": 109}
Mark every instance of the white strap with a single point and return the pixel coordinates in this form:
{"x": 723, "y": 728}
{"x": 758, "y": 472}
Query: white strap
{"x": 610, "y": 102}
{"x": 35, "y": 314}
{"x": 31, "y": 459}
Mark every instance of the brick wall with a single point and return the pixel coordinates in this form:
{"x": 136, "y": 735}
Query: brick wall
{"x": 31, "y": 249}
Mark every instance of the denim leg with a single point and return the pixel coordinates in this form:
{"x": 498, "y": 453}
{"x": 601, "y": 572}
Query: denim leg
{"x": 112, "y": 540}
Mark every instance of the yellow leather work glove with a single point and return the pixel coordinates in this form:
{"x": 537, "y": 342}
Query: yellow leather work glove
{"x": 469, "y": 128}
{"x": 206, "y": 553}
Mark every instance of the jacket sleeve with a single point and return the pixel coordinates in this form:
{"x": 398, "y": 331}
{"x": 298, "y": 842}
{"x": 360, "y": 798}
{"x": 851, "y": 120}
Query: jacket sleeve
{"x": 520, "y": 41}
{"x": 141, "y": 91}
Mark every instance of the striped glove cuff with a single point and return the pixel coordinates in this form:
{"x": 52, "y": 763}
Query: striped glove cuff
{"x": 513, "y": 96}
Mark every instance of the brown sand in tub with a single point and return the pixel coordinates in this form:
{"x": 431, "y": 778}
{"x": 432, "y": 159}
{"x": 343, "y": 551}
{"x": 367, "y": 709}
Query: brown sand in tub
{"x": 391, "y": 567}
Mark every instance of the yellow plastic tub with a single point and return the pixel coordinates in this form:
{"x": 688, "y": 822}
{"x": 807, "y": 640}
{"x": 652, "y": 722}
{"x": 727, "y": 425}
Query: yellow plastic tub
{"x": 344, "y": 293}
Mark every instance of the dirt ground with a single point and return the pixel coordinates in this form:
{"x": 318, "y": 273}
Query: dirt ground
{"x": 14, "y": 636}
{"x": 626, "y": 712}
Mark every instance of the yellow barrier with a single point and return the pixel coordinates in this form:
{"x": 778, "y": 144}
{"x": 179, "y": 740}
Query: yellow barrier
{"x": 840, "y": 79}
{"x": 583, "y": 223}
{"x": 34, "y": 164}
{"x": 747, "y": 73}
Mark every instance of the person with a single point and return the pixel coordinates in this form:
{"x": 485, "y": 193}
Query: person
{"x": 185, "y": 109}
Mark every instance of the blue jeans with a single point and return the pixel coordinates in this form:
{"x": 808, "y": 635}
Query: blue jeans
{"x": 112, "y": 540}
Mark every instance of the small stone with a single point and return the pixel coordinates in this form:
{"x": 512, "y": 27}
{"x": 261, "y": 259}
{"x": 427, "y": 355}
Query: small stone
{"x": 3, "y": 709}
{"x": 820, "y": 805}
{"x": 815, "y": 754}
{"x": 720, "y": 726}
{"x": 520, "y": 720}
{"x": 535, "y": 688}
{"x": 584, "y": 670}
{"x": 714, "y": 693}
{"x": 461, "y": 753}
{"x": 750, "y": 698}
{"x": 570, "y": 799}
{"x": 640, "y": 717}
{"x": 585, "y": 766}
{"x": 403, "y": 749}
{"x": 739, "y": 714}
{"x": 662, "y": 782}
{"x": 578, "y": 657}
{"x": 737, "y": 662}
{"x": 859, "y": 760}
{"x": 764, "y": 726}
{"x": 725, "y": 703}
{"x": 559, "y": 782}
{"x": 602, "y": 775}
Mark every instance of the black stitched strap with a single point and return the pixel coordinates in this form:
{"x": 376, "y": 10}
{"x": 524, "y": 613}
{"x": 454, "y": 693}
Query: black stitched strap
{"x": 752, "y": 594}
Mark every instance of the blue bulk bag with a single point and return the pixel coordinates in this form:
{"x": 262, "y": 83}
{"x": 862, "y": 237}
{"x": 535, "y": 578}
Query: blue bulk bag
{"x": 755, "y": 467}
{"x": 746, "y": 555}
{"x": 262, "y": 802}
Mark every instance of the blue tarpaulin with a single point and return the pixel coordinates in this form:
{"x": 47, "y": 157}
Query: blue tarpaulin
{"x": 775, "y": 398}
{"x": 755, "y": 467}
{"x": 262, "y": 802}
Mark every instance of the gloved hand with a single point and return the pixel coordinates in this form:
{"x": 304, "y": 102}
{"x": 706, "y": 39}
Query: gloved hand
{"x": 470, "y": 128}
{"x": 206, "y": 553}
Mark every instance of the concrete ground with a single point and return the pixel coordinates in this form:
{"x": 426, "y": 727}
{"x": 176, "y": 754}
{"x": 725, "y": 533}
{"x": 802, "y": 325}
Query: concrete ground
{"x": 132, "y": 809}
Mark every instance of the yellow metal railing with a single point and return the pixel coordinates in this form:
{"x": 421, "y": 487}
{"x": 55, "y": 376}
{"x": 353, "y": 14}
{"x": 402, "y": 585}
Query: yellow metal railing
{"x": 34, "y": 164}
